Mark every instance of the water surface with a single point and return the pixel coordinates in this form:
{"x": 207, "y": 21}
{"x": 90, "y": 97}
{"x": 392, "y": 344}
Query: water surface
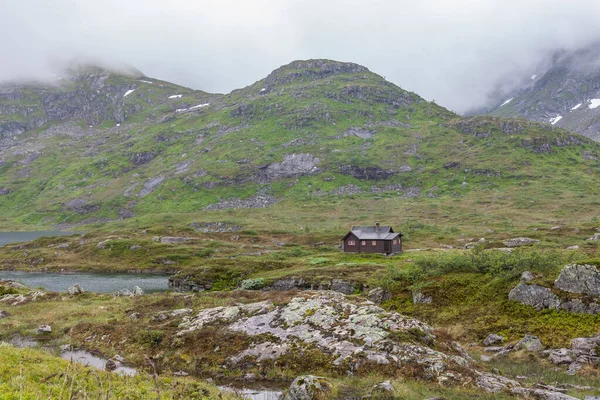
{"x": 16, "y": 237}
{"x": 91, "y": 282}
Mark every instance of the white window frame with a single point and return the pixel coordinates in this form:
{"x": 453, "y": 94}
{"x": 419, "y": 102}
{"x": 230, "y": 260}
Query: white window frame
{"x": 351, "y": 243}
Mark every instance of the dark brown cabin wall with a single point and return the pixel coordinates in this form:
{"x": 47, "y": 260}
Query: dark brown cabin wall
{"x": 369, "y": 248}
{"x": 351, "y": 249}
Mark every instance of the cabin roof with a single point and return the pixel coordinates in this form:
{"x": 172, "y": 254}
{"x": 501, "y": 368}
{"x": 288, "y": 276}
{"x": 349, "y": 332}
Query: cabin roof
{"x": 372, "y": 233}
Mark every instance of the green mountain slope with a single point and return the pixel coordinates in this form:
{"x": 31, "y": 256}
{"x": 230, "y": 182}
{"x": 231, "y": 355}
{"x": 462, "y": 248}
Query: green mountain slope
{"x": 309, "y": 135}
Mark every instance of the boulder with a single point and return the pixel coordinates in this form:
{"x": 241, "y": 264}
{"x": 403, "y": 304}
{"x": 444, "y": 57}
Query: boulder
{"x": 419, "y": 297}
{"x": 529, "y": 343}
{"x": 75, "y": 290}
{"x": 341, "y": 286}
{"x": 4, "y": 314}
{"x": 560, "y": 356}
{"x": 137, "y": 291}
{"x": 44, "y": 329}
{"x": 309, "y": 387}
{"x": 533, "y": 295}
{"x": 493, "y": 339}
{"x": 527, "y": 276}
{"x": 578, "y": 278}
{"x": 384, "y": 387}
{"x": 518, "y": 242}
{"x": 289, "y": 284}
{"x": 378, "y": 295}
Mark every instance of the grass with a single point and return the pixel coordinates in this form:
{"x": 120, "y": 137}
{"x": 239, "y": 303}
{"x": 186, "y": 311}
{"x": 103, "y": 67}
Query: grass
{"x": 35, "y": 374}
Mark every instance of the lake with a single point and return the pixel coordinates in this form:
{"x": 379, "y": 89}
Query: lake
{"x": 16, "y": 237}
{"x": 91, "y": 282}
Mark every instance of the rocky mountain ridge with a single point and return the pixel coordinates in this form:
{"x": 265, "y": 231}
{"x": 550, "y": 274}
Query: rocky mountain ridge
{"x": 564, "y": 94}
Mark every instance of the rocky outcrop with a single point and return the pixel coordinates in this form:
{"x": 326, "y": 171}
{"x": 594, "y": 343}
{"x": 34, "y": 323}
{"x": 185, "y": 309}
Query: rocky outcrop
{"x": 258, "y": 201}
{"x": 518, "y": 242}
{"x": 18, "y": 299}
{"x": 576, "y": 278}
{"x": 215, "y": 227}
{"x": 349, "y": 333}
{"x": 293, "y": 165}
{"x": 151, "y": 185}
{"x": 582, "y": 351}
{"x": 366, "y": 173}
{"x": 493, "y": 339}
{"x": 534, "y": 295}
{"x": 309, "y": 387}
{"x": 4, "y": 191}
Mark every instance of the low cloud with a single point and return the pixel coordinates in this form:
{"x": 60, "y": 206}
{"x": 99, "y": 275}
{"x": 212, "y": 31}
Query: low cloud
{"x": 456, "y": 52}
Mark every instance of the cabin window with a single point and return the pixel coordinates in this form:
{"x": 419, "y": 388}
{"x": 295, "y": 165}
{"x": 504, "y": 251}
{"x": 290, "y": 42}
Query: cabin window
{"x": 351, "y": 243}
{"x": 363, "y": 243}
{"x": 395, "y": 241}
{"x": 374, "y": 243}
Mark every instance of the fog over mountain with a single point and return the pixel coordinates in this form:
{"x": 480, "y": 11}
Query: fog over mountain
{"x": 454, "y": 52}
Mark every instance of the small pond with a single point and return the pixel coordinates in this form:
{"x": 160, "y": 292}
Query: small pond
{"x": 91, "y": 282}
{"x": 254, "y": 394}
{"x": 16, "y": 237}
{"x": 87, "y": 358}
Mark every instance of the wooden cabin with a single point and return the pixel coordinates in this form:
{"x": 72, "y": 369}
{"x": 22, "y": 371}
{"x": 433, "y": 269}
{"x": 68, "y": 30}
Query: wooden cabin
{"x": 372, "y": 239}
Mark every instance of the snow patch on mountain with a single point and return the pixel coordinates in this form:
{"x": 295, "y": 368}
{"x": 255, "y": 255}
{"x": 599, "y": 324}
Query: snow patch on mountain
{"x": 127, "y": 93}
{"x": 594, "y": 103}
{"x": 507, "y": 101}
{"x": 554, "y": 120}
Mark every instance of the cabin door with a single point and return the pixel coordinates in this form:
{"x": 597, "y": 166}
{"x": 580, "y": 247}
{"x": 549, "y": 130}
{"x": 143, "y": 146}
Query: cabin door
{"x": 387, "y": 246}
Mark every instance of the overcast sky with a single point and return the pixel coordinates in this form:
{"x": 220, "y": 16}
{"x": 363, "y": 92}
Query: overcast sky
{"x": 453, "y": 51}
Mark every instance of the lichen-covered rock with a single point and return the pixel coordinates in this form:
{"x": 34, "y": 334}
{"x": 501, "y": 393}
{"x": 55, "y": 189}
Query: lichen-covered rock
{"x": 309, "y": 387}
{"x": 18, "y": 299}
{"x": 527, "y": 276}
{"x": 530, "y": 343}
{"x": 347, "y": 332}
{"x": 492, "y": 339}
{"x": 533, "y": 295}
{"x": 518, "y": 242}
{"x": 75, "y": 290}
{"x": 577, "y": 278}
{"x": 342, "y": 286}
{"x": 419, "y": 297}
{"x": 560, "y": 356}
{"x": 495, "y": 383}
{"x": 137, "y": 291}
{"x": 384, "y": 387}
{"x": 378, "y": 295}
{"x": 44, "y": 329}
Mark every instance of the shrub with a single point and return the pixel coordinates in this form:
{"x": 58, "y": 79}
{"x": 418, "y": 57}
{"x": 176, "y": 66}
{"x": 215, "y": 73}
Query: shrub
{"x": 496, "y": 263}
{"x": 151, "y": 337}
{"x": 253, "y": 284}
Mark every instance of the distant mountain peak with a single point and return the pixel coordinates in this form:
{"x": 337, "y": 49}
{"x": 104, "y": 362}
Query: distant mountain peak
{"x": 312, "y": 69}
{"x": 565, "y": 94}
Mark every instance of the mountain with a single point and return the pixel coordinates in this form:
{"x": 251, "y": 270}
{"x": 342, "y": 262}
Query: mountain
{"x": 564, "y": 94}
{"x": 99, "y": 146}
